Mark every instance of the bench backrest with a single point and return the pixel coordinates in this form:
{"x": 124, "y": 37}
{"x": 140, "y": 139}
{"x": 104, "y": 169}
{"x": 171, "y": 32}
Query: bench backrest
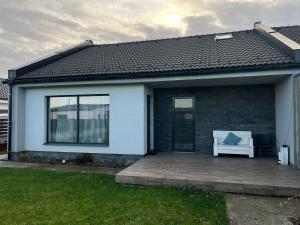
{"x": 244, "y": 135}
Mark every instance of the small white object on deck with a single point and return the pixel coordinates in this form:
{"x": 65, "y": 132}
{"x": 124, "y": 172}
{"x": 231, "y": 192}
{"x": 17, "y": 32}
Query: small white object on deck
{"x": 244, "y": 147}
{"x": 283, "y": 155}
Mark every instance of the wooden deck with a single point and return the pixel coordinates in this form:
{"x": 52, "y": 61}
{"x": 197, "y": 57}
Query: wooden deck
{"x": 225, "y": 174}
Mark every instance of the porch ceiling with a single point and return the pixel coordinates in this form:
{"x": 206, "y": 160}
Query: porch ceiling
{"x": 209, "y": 81}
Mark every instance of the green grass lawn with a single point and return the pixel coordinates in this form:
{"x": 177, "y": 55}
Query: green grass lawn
{"x": 29, "y": 196}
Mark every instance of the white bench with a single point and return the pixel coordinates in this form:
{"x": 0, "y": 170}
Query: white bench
{"x": 244, "y": 147}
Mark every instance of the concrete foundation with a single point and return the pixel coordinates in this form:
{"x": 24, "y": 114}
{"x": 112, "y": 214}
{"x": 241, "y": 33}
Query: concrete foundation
{"x": 91, "y": 159}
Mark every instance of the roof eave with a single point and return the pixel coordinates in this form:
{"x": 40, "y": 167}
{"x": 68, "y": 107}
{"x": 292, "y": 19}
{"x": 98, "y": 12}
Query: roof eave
{"x": 119, "y": 76}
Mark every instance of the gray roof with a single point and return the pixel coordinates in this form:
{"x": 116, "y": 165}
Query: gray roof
{"x": 3, "y": 90}
{"x": 166, "y": 57}
{"x": 292, "y": 32}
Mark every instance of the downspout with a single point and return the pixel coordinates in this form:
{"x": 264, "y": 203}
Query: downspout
{"x": 9, "y": 123}
{"x": 11, "y": 76}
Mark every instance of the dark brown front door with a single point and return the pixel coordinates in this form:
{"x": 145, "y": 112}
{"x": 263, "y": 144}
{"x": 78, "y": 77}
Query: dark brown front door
{"x": 183, "y": 124}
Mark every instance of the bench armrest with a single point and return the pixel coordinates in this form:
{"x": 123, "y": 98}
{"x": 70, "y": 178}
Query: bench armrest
{"x": 215, "y": 140}
{"x": 251, "y": 142}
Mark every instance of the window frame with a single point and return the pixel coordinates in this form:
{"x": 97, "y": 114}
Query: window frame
{"x": 78, "y": 120}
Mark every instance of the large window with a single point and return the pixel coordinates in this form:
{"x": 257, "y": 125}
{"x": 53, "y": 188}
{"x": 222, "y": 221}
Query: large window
{"x": 78, "y": 119}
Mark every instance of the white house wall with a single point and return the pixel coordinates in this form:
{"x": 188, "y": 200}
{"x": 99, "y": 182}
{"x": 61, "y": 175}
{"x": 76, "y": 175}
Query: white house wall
{"x": 284, "y": 115}
{"x": 297, "y": 118}
{"x": 126, "y": 120}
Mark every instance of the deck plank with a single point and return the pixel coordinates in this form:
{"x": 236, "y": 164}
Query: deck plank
{"x": 225, "y": 174}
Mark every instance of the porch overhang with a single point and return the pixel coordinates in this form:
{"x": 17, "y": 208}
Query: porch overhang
{"x": 186, "y": 79}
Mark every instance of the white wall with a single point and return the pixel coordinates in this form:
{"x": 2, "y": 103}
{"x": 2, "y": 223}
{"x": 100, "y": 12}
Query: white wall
{"x": 284, "y": 115}
{"x": 126, "y": 121}
{"x": 297, "y": 118}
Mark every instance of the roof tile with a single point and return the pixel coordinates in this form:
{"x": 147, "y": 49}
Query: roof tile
{"x": 245, "y": 49}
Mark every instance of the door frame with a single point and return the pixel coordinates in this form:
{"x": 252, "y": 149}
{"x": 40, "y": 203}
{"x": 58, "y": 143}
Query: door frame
{"x": 148, "y": 103}
{"x": 173, "y": 119}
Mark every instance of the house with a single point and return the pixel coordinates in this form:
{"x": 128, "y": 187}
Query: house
{"x": 3, "y": 114}
{"x": 3, "y": 98}
{"x": 119, "y": 102}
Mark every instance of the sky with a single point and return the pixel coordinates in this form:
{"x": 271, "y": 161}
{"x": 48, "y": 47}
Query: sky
{"x": 30, "y": 29}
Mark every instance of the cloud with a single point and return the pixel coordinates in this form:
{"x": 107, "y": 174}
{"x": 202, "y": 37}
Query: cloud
{"x": 33, "y": 28}
{"x": 155, "y": 32}
{"x": 229, "y": 15}
{"x": 201, "y": 25}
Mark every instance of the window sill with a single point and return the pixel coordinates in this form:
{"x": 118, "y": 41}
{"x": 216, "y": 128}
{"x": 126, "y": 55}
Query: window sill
{"x": 76, "y": 144}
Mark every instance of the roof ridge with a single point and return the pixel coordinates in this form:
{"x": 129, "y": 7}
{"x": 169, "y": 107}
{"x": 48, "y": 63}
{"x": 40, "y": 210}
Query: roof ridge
{"x": 182, "y": 37}
{"x": 286, "y": 26}
{"x": 171, "y": 38}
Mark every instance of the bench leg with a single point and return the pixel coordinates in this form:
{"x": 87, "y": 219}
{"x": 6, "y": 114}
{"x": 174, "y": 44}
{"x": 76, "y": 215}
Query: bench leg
{"x": 251, "y": 153}
{"x": 215, "y": 152}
